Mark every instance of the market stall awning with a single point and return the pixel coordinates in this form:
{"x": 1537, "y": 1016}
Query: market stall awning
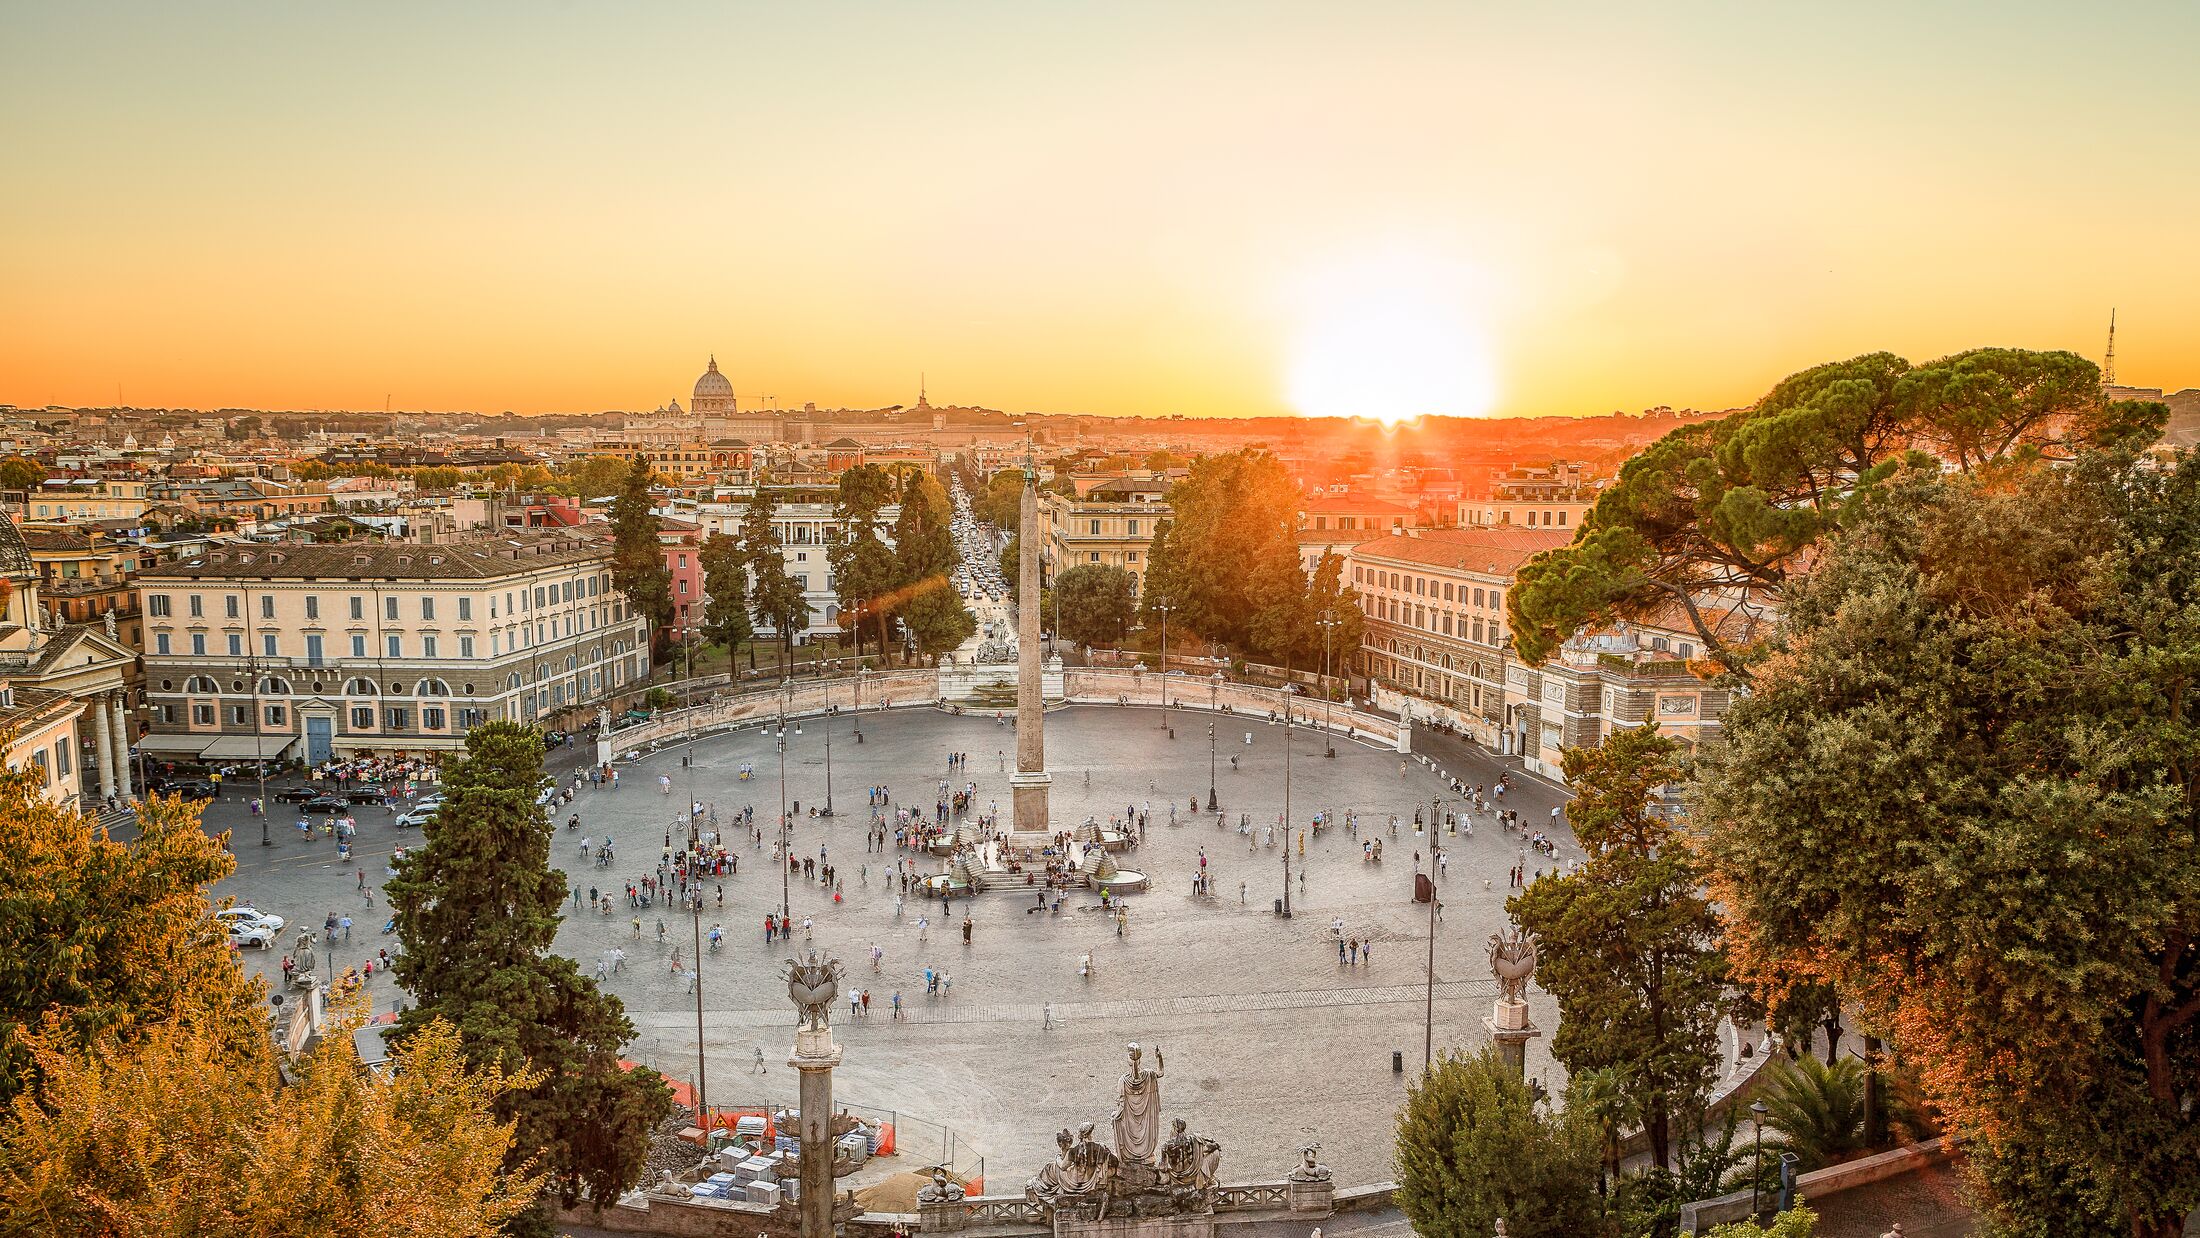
{"x": 234, "y": 747}
{"x": 173, "y": 745}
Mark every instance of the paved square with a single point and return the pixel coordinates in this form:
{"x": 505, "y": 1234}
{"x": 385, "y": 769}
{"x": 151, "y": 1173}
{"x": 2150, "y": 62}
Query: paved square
{"x": 1270, "y": 1040}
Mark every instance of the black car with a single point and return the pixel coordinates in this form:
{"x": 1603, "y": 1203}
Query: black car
{"x": 366, "y": 795}
{"x": 324, "y": 803}
{"x": 296, "y": 795}
{"x": 189, "y": 788}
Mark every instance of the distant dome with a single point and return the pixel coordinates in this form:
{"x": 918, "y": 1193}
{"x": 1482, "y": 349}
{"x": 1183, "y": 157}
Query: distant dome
{"x": 713, "y": 385}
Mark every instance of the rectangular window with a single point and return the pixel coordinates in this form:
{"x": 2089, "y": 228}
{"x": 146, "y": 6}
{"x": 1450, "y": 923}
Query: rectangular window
{"x": 198, "y": 607}
{"x": 157, "y": 605}
{"x": 427, "y": 646}
{"x": 38, "y": 758}
{"x": 1132, "y": 528}
{"x": 275, "y": 715}
{"x": 539, "y": 603}
{"x": 389, "y": 608}
{"x": 683, "y": 586}
{"x": 267, "y": 644}
{"x": 313, "y": 607}
{"x": 267, "y": 606}
{"x": 236, "y": 644}
{"x": 362, "y": 718}
{"x": 427, "y": 608}
{"x": 358, "y": 607}
{"x": 164, "y": 713}
{"x": 160, "y": 642}
{"x": 240, "y": 715}
{"x": 202, "y": 715}
{"x": 313, "y": 649}
{"x": 1096, "y": 528}
{"x": 465, "y": 609}
{"x": 395, "y": 650}
{"x": 396, "y": 719}
{"x": 465, "y": 646}
{"x": 61, "y": 758}
{"x": 229, "y": 605}
{"x": 198, "y": 644}
{"x": 469, "y": 718}
{"x": 431, "y": 718}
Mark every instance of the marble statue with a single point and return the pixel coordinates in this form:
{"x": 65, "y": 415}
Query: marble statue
{"x": 1512, "y": 961}
{"x": 1138, "y": 1112}
{"x": 941, "y": 1190}
{"x": 1310, "y": 1168}
{"x": 1081, "y": 1181}
{"x": 1188, "y": 1161}
{"x": 109, "y": 620}
{"x": 812, "y": 984}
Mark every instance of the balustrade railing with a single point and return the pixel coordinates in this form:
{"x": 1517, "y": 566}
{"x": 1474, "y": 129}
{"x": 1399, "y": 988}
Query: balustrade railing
{"x": 1251, "y": 1197}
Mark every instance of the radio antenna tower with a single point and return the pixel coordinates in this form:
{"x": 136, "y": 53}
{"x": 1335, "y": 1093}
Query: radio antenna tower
{"x": 2108, "y": 363}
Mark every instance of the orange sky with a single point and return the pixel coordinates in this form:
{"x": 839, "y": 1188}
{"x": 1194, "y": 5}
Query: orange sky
{"x": 1218, "y": 209}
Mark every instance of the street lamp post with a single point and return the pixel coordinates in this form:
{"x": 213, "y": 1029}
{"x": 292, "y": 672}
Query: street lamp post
{"x": 702, "y": 1082}
{"x": 1428, "y": 1005}
{"x": 1164, "y": 607}
{"x": 1328, "y": 624}
{"x": 1287, "y": 801}
{"x": 830, "y": 710}
{"x": 859, "y": 700}
{"x": 1757, "y": 1111}
{"x": 1214, "y": 713}
{"x": 786, "y": 851}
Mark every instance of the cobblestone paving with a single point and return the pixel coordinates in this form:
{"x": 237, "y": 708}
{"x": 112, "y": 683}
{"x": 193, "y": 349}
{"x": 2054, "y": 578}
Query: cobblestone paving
{"x": 1269, "y": 1039}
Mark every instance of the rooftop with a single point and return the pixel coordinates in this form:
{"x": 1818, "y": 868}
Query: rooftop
{"x": 1498, "y": 551}
{"x": 477, "y": 560}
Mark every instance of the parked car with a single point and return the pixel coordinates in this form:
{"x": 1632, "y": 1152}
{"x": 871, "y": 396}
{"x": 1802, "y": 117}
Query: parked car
{"x": 325, "y": 803}
{"x": 230, "y": 917}
{"x": 244, "y": 933}
{"x": 552, "y": 739}
{"x": 366, "y": 795}
{"x": 189, "y": 788}
{"x": 416, "y": 816}
{"x": 296, "y": 795}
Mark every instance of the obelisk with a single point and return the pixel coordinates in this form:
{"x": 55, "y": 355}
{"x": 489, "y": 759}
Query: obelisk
{"x": 1029, "y": 784}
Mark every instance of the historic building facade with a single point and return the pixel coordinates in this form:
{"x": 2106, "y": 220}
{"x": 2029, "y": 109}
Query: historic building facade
{"x": 315, "y": 651}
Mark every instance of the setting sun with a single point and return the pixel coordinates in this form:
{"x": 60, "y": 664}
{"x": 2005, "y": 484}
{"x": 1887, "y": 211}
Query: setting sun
{"x": 1390, "y": 338}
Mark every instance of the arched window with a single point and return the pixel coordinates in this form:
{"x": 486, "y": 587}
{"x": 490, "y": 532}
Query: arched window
{"x": 359, "y": 687}
{"x": 514, "y": 683}
{"x": 274, "y": 686}
{"x": 431, "y": 687}
{"x": 202, "y": 684}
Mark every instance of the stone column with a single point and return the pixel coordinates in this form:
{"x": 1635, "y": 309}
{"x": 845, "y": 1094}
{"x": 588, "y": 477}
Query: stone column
{"x": 103, "y": 732}
{"x": 815, "y": 1055}
{"x": 1028, "y": 787}
{"x": 1509, "y": 1026}
{"x": 122, "y": 747}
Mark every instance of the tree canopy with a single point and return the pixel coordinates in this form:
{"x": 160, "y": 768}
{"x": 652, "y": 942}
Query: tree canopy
{"x": 1474, "y": 1149}
{"x": 1962, "y": 792}
{"x": 637, "y": 558}
{"x": 108, "y": 935}
{"x": 477, "y": 908}
{"x": 775, "y": 597}
{"x": 1736, "y": 507}
{"x": 1096, "y": 603}
{"x": 181, "y": 1128}
{"x": 726, "y": 590}
{"x": 1627, "y": 943}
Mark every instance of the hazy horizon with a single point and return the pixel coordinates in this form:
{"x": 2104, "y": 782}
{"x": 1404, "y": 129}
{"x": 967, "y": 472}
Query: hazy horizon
{"x": 1221, "y": 209}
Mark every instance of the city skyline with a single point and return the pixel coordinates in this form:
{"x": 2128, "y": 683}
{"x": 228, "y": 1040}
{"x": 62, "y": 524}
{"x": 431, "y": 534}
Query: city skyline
{"x": 1216, "y": 211}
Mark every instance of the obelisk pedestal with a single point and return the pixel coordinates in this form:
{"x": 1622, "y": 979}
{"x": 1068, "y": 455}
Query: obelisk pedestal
{"x": 1028, "y": 787}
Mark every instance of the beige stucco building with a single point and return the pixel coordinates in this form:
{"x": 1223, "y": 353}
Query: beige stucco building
{"x": 1113, "y": 524}
{"x": 314, "y": 651}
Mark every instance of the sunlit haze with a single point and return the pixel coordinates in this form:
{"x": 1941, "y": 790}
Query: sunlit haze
{"x": 1381, "y": 209}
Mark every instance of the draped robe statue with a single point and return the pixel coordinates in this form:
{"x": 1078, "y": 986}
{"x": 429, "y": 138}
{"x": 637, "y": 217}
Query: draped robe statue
{"x": 1138, "y": 1112}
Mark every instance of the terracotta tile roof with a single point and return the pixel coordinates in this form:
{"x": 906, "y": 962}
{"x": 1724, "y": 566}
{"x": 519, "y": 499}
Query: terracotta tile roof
{"x": 485, "y": 559}
{"x": 1498, "y": 551}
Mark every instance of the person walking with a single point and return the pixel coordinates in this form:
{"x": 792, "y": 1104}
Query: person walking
{"x": 757, "y": 1067}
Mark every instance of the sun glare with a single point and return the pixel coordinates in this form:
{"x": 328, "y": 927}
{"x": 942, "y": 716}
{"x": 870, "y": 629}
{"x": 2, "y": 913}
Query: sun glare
{"x": 1390, "y": 340}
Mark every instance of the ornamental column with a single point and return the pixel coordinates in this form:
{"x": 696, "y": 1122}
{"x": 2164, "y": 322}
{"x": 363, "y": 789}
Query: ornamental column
{"x": 1028, "y": 786}
{"x": 813, "y": 984}
{"x": 103, "y": 733}
{"x": 122, "y": 746}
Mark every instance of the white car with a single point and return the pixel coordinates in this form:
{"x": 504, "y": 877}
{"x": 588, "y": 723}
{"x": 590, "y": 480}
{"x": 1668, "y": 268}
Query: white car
{"x": 230, "y": 917}
{"x": 245, "y": 933}
{"x": 418, "y": 814}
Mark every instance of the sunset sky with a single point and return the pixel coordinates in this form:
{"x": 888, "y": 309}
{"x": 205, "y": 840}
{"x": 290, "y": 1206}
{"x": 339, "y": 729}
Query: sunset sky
{"x": 1182, "y": 207}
